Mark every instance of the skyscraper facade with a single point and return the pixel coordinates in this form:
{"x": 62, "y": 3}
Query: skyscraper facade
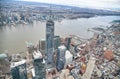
{"x": 67, "y": 42}
{"x": 50, "y": 42}
{"x": 39, "y": 69}
{"x": 60, "y": 57}
{"x": 39, "y": 66}
{"x": 19, "y": 70}
{"x": 56, "y": 42}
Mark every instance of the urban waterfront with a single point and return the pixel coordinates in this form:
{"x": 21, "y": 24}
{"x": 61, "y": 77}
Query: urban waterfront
{"x": 12, "y": 38}
{"x": 59, "y": 39}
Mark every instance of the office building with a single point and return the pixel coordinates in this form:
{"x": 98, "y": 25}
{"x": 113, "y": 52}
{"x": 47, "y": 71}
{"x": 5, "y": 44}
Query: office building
{"x": 67, "y": 42}
{"x": 18, "y": 70}
{"x": 50, "y": 43}
{"x": 56, "y": 42}
{"x": 38, "y": 65}
{"x": 68, "y": 57}
{"x": 42, "y": 46}
{"x": 60, "y": 57}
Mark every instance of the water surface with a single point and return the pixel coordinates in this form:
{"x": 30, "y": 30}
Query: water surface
{"x": 12, "y": 38}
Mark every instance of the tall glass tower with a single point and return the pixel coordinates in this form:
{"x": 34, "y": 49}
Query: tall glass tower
{"x": 39, "y": 69}
{"x": 50, "y": 42}
{"x": 39, "y": 66}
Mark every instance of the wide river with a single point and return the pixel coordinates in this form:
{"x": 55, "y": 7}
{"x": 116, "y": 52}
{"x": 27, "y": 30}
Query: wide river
{"x": 12, "y": 38}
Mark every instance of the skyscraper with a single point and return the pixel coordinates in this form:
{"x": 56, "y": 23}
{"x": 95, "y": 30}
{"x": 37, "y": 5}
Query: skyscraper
{"x": 50, "y": 43}
{"x": 19, "y": 70}
{"x": 60, "y": 57}
{"x": 67, "y": 42}
{"x": 68, "y": 57}
{"x": 42, "y": 46}
{"x": 56, "y": 42}
{"x": 39, "y": 65}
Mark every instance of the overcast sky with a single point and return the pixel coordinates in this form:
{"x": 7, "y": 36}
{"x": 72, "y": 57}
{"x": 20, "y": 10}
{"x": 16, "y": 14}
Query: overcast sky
{"x": 104, "y": 4}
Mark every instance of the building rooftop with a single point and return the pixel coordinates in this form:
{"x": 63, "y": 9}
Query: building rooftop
{"x": 108, "y": 55}
{"x": 2, "y": 56}
{"x": 62, "y": 47}
{"x": 51, "y": 22}
{"x": 14, "y": 64}
{"x": 37, "y": 55}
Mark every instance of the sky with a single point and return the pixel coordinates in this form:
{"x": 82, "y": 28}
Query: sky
{"x": 99, "y": 4}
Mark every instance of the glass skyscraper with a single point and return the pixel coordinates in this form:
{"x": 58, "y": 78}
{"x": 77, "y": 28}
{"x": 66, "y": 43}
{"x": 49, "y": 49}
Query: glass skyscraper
{"x": 19, "y": 72}
{"x": 60, "y": 57}
{"x": 39, "y": 66}
{"x": 50, "y": 43}
{"x": 39, "y": 69}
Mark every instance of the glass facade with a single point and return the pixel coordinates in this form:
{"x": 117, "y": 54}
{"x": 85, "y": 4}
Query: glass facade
{"x": 60, "y": 57}
{"x": 50, "y": 42}
{"x": 19, "y": 72}
{"x": 39, "y": 69}
{"x": 56, "y": 42}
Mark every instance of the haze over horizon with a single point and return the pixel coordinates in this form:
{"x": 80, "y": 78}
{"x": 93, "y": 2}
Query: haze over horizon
{"x": 96, "y": 4}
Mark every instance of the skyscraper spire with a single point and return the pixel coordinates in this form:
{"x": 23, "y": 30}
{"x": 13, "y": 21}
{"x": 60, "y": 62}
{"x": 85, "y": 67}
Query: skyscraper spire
{"x": 50, "y": 41}
{"x": 50, "y": 13}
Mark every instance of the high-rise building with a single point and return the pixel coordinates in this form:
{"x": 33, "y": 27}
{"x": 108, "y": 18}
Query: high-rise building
{"x": 50, "y": 43}
{"x": 67, "y": 42}
{"x": 56, "y": 42}
{"x": 19, "y": 70}
{"x": 38, "y": 65}
{"x": 42, "y": 46}
{"x": 68, "y": 57}
{"x": 60, "y": 57}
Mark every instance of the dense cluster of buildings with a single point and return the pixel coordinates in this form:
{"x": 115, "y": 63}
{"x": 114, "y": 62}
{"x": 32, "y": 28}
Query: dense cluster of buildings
{"x": 69, "y": 58}
{"x": 21, "y": 12}
{"x": 18, "y": 12}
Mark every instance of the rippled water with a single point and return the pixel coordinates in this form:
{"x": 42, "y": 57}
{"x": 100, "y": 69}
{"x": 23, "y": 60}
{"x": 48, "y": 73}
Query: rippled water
{"x": 12, "y": 38}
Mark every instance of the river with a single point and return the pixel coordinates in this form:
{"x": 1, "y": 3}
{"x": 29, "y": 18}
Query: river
{"x": 12, "y": 38}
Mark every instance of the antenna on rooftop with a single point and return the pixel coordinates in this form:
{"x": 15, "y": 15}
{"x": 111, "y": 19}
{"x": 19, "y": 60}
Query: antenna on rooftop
{"x": 52, "y": 16}
{"x": 50, "y": 13}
